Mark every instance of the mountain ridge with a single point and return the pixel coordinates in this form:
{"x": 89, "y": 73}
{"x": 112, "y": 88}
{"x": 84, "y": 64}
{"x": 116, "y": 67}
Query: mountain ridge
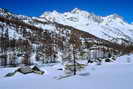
{"x": 111, "y": 27}
{"x": 52, "y": 35}
{"x": 88, "y": 22}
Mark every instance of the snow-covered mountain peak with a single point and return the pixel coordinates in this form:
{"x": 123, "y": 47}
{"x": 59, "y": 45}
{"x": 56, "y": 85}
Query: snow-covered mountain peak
{"x": 5, "y": 12}
{"x": 76, "y": 10}
{"x": 114, "y": 19}
{"x": 81, "y": 12}
{"x": 76, "y": 16}
{"x": 2, "y": 10}
{"x": 75, "y": 13}
{"x": 47, "y": 13}
{"x": 8, "y": 14}
{"x": 51, "y": 16}
{"x": 114, "y": 16}
{"x": 107, "y": 27}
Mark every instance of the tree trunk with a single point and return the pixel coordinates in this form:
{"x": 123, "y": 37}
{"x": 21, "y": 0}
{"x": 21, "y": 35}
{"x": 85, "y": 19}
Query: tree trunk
{"x": 74, "y": 60}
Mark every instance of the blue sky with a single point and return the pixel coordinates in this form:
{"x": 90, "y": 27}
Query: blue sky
{"x": 99, "y": 7}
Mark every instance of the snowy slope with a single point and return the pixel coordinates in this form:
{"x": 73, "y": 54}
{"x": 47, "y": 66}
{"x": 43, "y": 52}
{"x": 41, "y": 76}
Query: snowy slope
{"x": 106, "y": 76}
{"x": 111, "y": 27}
{"x": 11, "y": 28}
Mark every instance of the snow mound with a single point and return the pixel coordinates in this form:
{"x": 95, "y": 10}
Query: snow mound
{"x": 125, "y": 59}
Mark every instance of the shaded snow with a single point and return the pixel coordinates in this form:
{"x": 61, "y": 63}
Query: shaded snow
{"x": 107, "y": 76}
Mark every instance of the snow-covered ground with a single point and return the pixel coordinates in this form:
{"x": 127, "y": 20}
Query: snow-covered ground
{"x": 116, "y": 75}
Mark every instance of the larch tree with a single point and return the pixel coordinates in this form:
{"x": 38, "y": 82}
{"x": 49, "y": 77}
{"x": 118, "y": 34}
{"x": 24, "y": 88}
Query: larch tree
{"x": 75, "y": 42}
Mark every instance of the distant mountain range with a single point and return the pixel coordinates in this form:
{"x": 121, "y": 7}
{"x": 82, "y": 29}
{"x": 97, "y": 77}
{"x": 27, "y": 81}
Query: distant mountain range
{"x": 53, "y": 33}
{"x": 112, "y": 27}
